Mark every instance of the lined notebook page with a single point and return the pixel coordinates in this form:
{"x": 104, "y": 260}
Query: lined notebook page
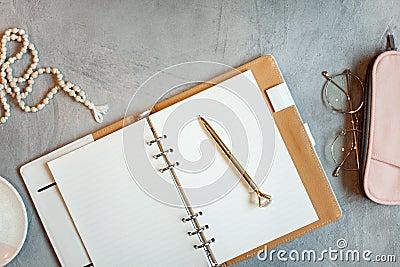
{"x": 234, "y": 220}
{"x": 120, "y": 225}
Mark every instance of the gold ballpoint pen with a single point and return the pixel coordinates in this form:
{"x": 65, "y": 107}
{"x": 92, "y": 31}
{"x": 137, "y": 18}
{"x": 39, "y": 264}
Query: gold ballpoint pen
{"x": 263, "y": 199}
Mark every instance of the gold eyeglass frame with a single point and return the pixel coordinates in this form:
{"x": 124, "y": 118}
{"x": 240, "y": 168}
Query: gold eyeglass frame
{"x": 354, "y": 130}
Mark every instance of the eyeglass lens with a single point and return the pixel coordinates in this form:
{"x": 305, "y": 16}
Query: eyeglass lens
{"x": 344, "y": 149}
{"x": 344, "y": 93}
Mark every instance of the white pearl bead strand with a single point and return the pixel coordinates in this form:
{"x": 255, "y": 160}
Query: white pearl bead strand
{"x": 11, "y": 86}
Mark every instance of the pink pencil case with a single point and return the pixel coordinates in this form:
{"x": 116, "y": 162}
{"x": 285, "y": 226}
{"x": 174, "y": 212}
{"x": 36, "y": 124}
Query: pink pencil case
{"x": 380, "y": 156}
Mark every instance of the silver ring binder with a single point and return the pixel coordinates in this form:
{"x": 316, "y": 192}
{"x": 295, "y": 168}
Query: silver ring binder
{"x": 171, "y": 166}
{"x": 197, "y": 231}
{"x": 155, "y": 140}
{"x": 208, "y": 242}
{"x": 191, "y": 217}
{"x": 156, "y": 156}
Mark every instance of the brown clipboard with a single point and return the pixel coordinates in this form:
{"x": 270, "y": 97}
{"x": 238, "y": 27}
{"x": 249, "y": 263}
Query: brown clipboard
{"x": 290, "y": 125}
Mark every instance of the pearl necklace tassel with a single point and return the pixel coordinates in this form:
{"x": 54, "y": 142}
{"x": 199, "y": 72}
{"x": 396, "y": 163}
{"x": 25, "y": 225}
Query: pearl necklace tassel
{"x": 12, "y": 86}
{"x": 99, "y": 111}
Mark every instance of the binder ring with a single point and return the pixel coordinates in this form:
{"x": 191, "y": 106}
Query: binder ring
{"x": 156, "y": 139}
{"x": 198, "y": 231}
{"x": 202, "y": 245}
{"x": 173, "y": 165}
{"x": 191, "y": 217}
{"x": 156, "y": 156}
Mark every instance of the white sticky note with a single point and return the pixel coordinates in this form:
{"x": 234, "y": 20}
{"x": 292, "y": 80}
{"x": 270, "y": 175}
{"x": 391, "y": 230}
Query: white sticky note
{"x": 280, "y": 97}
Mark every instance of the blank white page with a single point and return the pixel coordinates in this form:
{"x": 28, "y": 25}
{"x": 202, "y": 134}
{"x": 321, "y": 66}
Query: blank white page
{"x": 235, "y": 221}
{"x": 120, "y": 225}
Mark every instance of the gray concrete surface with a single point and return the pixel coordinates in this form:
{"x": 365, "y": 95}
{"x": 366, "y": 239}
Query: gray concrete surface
{"x": 110, "y": 47}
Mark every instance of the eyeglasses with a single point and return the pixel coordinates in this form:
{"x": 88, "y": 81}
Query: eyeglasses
{"x": 344, "y": 93}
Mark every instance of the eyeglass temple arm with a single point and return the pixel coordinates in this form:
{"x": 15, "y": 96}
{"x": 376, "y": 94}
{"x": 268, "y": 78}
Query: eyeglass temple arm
{"x": 354, "y": 142}
{"x": 336, "y": 171}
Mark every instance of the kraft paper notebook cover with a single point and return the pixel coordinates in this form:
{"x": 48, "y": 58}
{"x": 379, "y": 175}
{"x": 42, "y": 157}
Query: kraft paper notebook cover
{"x": 292, "y": 131}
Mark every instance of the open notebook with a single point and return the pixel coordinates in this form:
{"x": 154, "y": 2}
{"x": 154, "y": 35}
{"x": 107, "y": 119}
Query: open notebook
{"x": 129, "y": 213}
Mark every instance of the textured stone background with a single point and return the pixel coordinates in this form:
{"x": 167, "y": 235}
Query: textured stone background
{"x": 110, "y": 47}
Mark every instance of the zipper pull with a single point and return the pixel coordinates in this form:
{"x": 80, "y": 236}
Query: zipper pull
{"x": 390, "y": 44}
